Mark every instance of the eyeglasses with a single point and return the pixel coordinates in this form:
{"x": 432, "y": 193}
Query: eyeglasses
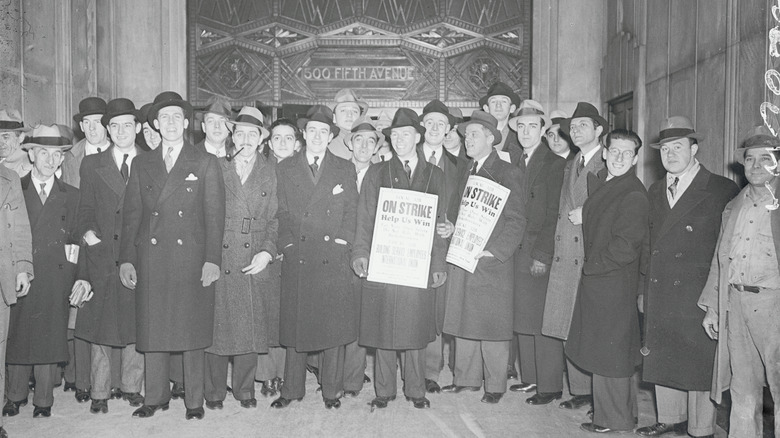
{"x": 627, "y": 155}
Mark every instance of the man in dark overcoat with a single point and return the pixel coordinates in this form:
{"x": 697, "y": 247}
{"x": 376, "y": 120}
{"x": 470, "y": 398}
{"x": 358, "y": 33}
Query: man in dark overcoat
{"x": 171, "y": 252}
{"x": 604, "y": 334}
{"x": 480, "y": 308}
{"x": 541, "y": 357}
{"x": 37, "y": 335}
{"x": 685, "y": 217}
{"x": 214, "y": 121}
{"x": 107, "y": 320}
{"x": 500, "y": 102}
{"x": 317, "y": 216}
{"x": 397, "y": 318}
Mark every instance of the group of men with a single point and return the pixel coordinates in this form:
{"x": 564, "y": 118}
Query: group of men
{"x": 253, "y": 247}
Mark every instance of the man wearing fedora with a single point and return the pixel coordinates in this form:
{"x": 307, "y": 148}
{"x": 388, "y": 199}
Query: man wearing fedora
{"x": 107, "y": 320}
{"x": 741, "y": 297}
{"x": 685, "y": 219}
{"x": 500, "y": 102}
{"x": 558, "y": 138}
{"x": 541, "y": 357}
{"x": 397, "y": 318}
{"x": 317, "y": 213}
{"x": 214, "y": 123}
{"x": 347, "y": 107}
{"x": 171, "y": 252}
{"x": 453, "y": 142}
{"x": 479, "y": 308}
{"x": 586, "y": 130}
{"x": 37, "y": 334}
{"x": 12, "y": 132}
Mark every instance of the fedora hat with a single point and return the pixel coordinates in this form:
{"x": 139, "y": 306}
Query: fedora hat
{"x": 215, "y": 105}
{"x": 165, "y": 99}
{"x": 437, "y": 106}
{"x": 484, "y": 119}
{"x": 402, "y": 118}
{"x": 346, "y": 95}
{"x": 674, "y": 128}
{"x": 48, "y": 137}
{"x": 529, "y": 108}
{"x": 557, "y": 117}
{"x": 756, "y": 137}
{"x": 251, "y": 116}
{"x": 319, "y": 113}
{"x": 11, "y": 120}
{"x": 457, "y": 115}
{"x": 90, "y": 106}
{"x": 500, "y": 89}
{"x": 118, "y": 107}
{"x": 365, "y": 124}
{"x": 585, "y": 109}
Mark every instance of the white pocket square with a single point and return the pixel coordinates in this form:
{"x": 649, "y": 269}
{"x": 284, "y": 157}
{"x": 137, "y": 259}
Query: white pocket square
{"x": 337, "y": 189}
{"x": 191, "y": 177}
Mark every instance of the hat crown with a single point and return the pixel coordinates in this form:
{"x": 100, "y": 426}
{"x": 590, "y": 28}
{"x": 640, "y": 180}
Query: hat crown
{"x": 167, "y": 96}
{"x": 677, "y": 122}
{"x": 42, "y": 131}
{"x": 455, "y": 112}
{"x": 482, "y": 116}
{"x": 143, "y": 113}
{"x": 404, "y": 117}
{"x": 760, "y": 136}
{"x": 436, "y": 106}
{"x": 220, "y": 106}
{"x": 345, "y": 95}
{"x": 252, "y": 112}
{"x": 93, "y": 105}
{"x": 585, "y": 109}
{"x": 320, "y": 111}
{"x": 10, "y": 115}
{"x": 530, "y": 104}
{"x": 363, "y": 124}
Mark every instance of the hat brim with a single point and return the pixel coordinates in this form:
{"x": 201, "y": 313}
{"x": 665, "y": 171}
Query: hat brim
{"x": 496, "y": 133}
{"x": 696, "y": 136}
{"x": 266, "y": 133}
{"x": 516, "y": 101}
{"x": 80, "y": 116}
{"x": 362, "y": 105}
{"x": 303, "y": 121}
{"x": 513, "y": 121}
{"x": 106, "y": 119}
{"x": 387, "y": 131}
{"x": 183, "y": 104}
{"x": 566, "y": 124}
{"x": 60, "y": 143}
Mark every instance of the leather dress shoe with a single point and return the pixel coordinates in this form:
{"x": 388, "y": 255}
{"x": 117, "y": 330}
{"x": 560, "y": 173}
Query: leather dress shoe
{"x": 82, "y": 395}
{"x": 116, "y": 393}
{"x": 576, "y": 402}
{"x": 250, "y": 403}
{"x": 492, "y": 397}
{"x": 511, "y": 373}
{"x": 217, "y": 404}
{"x": 146, "y": 411}
{"x": 282, "y": 402}
{"x": 99, "y": 406}
{"x": 69, "y": 387}
{"x": 31, "y": 383}
{"x": 431, "y": 386}
{"x": 590, "y": 413}
{"x": 350, "y": 393}
{"x": 11, "y": 408}
{"x": 134, "y": 398}
{"x": 366, "y": 379}
{"x": 380, "y": 402}
{"x": 268, "y": 389}
{"x": 456, "y": 389}
{"x": 194, "y": 414}
{"x": 590, "y": 427}
{"x": 543, "y": 398}
{"x": 41, "y": 412}
{"x": 177, "y": 391}
{"x": 659, "y": 429}
{"x": 419, "y": 403}
{"x": 332, "y": 403}
{"x": 523, "y": 387}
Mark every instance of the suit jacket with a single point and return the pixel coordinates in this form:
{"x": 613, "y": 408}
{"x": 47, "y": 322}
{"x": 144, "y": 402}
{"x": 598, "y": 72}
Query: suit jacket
{"x": 542, "y": 182}
{"x": 317, "y": 302}
{"x": 480, "y": 305}
{"x": 16, "y": 244}
{"x": 173, "y": 224}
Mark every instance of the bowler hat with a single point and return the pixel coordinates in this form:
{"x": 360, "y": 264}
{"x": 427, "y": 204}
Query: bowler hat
{"x": 437, "y": 106}
{"x": 674, "y": 128}
{"x": 142, "y": 114}
{"x": 11, "y": 120}
{"x": 529, "y": 108}
{"x": 402, "y": 118}
{"x": 484, "y": 119}
{"x": 48, "y": 137}
{"x": 585, "y": 109}
{"x": 90, "y": 106}
{"x": 319, "y": 113}
{"x": 215, "y": 105}
{"x": 251, "y": 116}
{"x": 500, "y": 89}
{"x": 166, "y": 99}
{"x": 346, "y": 95}
{"x": 118, "y": 107}
{"x": 757, "y": 137}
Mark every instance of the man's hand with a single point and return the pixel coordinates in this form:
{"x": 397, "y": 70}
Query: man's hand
{"x": 483, "y": 254}
{"x": 438, "y": 279}
{"x": 446, "y": 229}
{"x": 640, "y": 303}
{"x": 209, "y": 274}
{"x": 538, "y": 268}
{"x": 91, "y": 238}
{"x": 127, "y": 275}
{"x": 259, "y": 262}
{"x": 710, "y": 323}
{"x": 360, "y": 266}
{"x": 575, "y": 216}
{"x": 80, "y": 293}
{"x": 22, "y": 284}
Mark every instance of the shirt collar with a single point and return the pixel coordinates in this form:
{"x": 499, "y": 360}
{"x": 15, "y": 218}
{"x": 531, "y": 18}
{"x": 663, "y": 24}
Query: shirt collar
{"x": 589, "y": 156}
{"x": 214, "y": 150}
{"x": 310, "y": 157}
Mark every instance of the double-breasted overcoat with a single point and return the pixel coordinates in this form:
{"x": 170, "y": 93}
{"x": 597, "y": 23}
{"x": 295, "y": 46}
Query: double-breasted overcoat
{"x": 16, "y": 246}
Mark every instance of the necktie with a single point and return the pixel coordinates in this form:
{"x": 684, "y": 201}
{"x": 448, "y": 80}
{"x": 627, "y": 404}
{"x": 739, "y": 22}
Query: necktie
{"x": 673, "y": 187}
{"x": 98, "y": 150}
{"x": 408, "y": 170}
{"x": 314, "y": 166}
{"x": 382, "y": 157}
{"x": 125, "y": 170}
{"x": 432, "y": 159}
{"x": 169, "y": 160}
{"x": 581, "y": 165}
{"x": 523, "y": 159}
{"x": 42, "y": 193}
{"x": 474, "y": 169}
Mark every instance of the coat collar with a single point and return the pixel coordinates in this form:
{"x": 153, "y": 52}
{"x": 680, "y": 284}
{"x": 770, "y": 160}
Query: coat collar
{"x": 695, "y": 194}
{"x": 181, "y": 169}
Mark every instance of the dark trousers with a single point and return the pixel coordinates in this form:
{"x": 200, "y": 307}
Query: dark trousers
{"x": 331, "y": 373}
{"x": 541, "y": 361}
{"x": 434, "y": 356}
{"x": 242, "y": 380}
{"x": 19, "y": 388}
{"x": 354, "y": 366}
{"x": 615, "y": 401}
{"x": 157, "y": 379}
{"x": 79, "y": 364}
{"x": 176, "y": 368}
{"x": 386, "y": 369}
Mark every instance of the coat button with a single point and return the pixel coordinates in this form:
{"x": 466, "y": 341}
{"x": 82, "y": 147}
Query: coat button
{"x": 678, "y": 255}
{"x": 179, "y": 242}
{"x": 676, "y": 282}
{"x": 155, "y": 213}
{"x": 246, "y": 245}
{"x": 303, "y": 238}
{"x": 225, "y": 245}
{"x": 189, "y": 189}
{"x": 327, "y": 212}
{"x": 327, "y": 238}
{"x": 645, "y": 351}
{"x": 325, "y": 262}
{"x": 227, "y": 271}
{"x": 655, "y": 252}
{"x": 60, "y": 266}
{"x": 557, "y": 259}
{"x": 262, "y": 193}
{"x": 116, "y": 236}
{"x": 576, "y": 262}
{"x": 303, "y": 262}
{"x": 154, "y": 241}
{"x": 653, "y": 280}
{"x": 688, "y": 228}
{"x": 117, "y": 212}
{"x": 117, "y": 263}
{"x": 181, "y": 214}
{"x": 558, "y": 237}
{"x": 576, "y": 239}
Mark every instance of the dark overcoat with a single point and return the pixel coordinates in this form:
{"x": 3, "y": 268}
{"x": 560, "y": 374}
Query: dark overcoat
{"x": 398, "y": 317}
{"x": 541, "y": 191}
{"x": 240, "y": 303}
{"x": 37, "y": 333}
{"x": 109, "y": 317}
{"x": 317, "y": 301}
{"x": 604, "y": 334}
{"x": 678, "y": 353}
{"x": 173, "y": 224}
{"x": 480, "y": 305}
{"x": 16, "y": 246}
{"x": 568, "y": 254}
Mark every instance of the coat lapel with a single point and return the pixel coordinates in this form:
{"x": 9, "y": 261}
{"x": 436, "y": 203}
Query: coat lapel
{"x": 181, "y": 169}
{"x": 535, "y": 165}
{"x": 109, "y": 172}
{"x": 327, "y": 179}
{"x": 31, "y": 198}
{"x": 693, "y": 196}
{"x": 5, "y": 188}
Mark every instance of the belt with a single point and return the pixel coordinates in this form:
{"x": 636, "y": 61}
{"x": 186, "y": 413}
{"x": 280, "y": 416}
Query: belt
{"x": 743, "y": 288}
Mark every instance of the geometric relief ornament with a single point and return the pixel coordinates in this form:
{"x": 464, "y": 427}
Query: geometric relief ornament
{"x": 236, "y": 73}
{"x": 442, "y": 37}
{"x": 469, "y": 75}
{"x": 483, "y": 72}
{"x": 275, "y": 36}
